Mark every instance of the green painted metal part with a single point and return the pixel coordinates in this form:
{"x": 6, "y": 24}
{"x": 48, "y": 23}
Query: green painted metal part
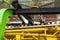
{"x": 4, "y": 14}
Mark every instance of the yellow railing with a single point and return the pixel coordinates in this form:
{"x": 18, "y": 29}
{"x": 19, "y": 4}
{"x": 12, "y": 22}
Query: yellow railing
{"x": 38, "y": 33}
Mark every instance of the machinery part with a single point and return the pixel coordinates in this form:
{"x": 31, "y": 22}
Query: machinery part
{"x": 14, "y": 3}
{"x": 34, "y": 33}
{"x": 29, "y": 19}
{"x": 17, "y": 6}
{"x": 39, "y": 11}
{"x": 35, "y": 6}
{"x": 4, "y": 14}
{"x": 25, "y": 21}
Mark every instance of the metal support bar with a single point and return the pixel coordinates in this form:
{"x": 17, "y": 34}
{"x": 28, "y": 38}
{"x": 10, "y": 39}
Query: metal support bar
{"x": 55, "y": 33}
{"x": 18, "y": 37}
{"x": 35, "y": 37}
{"x": 45, "y": 32}
{"x": 38, "y": 11}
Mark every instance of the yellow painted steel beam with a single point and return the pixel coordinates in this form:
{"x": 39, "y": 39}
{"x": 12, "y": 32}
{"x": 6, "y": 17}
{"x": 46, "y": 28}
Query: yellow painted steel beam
{"x": 18, "y": 37}
{"x": 55, "y": 33}
{"x": 47, "y": 35}
{"x": 58, "y": 28}
{"x": 25, "y": 34}
{"x": 51, "y": 38}
{"x": 28, "y": 30}
{"x": 45, "y": 32}
{"x": 27, "y": 39}
{"x": 35, "y": 38}
{"x": 20, "y": 33}
{"x": 41, "y": 38}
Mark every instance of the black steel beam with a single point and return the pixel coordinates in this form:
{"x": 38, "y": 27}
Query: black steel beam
{"x": 38, "y": 11}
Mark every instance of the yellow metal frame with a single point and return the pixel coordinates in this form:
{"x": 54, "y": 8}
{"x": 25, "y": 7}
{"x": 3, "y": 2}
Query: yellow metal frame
{"x": 42, "y": 33}
{"x": 35, "y": 6}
